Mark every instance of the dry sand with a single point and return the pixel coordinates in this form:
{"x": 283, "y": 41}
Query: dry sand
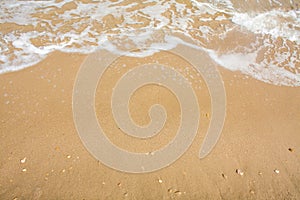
{"x": 260, "y": 136}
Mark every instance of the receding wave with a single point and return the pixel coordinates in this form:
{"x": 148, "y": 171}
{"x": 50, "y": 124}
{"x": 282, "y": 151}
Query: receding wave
{"x": 260, "y": 39}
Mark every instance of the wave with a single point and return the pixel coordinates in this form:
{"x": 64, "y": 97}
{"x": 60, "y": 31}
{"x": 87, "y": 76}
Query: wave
{"x": 264, "y": 44}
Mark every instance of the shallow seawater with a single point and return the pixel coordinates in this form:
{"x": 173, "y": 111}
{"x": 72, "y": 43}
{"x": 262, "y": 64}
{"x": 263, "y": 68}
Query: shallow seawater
{"x": 260, "y": 38}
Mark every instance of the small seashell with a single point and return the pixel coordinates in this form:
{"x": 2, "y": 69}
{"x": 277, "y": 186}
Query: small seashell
{"x": 239, "y": 172}
{"x": 150, "y": 153}
{"x": 23, "y": 160}
{"x": 177, "y": 192}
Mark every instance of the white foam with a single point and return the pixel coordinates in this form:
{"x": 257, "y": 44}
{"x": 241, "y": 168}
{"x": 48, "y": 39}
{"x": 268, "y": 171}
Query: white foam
{"x": 266, "y": 72}
{"x": 276, "y": 23}
{"x": 234, "y": 61}
{"x": 123, "y": 36}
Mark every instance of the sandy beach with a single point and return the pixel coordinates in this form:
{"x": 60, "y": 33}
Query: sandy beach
{"x": 42, "y": 156}
{"x": 254, "y": 45}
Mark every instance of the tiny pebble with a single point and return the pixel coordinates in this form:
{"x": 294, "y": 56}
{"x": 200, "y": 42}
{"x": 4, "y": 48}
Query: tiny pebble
{"x": 224, "y": 176}
{"x": 260, "y": 173}
{"x": 251, "y": 191}
{"x": 160, "y": 181}
{"x": 68, "y": 156}
{"x": 125, "y": 194}
{"x": 103, "y": 183}
{"x": 63, "y": 171}
{"x": 276, "y": 171}
{"x": 24, "y": 170}
{"x": 291, "y": 150}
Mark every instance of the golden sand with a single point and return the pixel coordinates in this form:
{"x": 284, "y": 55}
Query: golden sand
{"x": 42, "y": 156}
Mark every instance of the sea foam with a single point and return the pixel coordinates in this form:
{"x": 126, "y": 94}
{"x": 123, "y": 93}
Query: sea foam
{"x": 30, "y": 30}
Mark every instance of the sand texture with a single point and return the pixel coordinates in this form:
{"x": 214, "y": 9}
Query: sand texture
{"x": 42, "y": 157}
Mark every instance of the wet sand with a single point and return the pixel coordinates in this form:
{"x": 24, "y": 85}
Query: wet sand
{"x": 42, "y": 156}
